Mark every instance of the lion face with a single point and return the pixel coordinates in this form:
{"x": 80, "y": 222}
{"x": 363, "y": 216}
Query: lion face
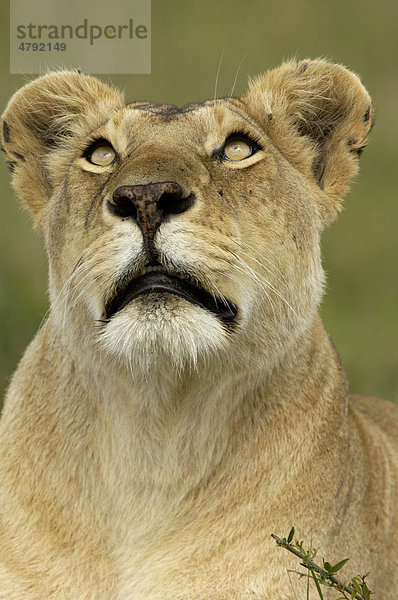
{"x": 176, "y": 236}
{"x": 185, "y": 240}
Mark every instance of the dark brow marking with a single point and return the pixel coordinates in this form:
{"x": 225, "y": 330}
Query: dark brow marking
{"x": 189, "y": 106}
{"x": 172, "y": 109}
{"x": 165, "y": 109}
{"x": 230, "y": 102}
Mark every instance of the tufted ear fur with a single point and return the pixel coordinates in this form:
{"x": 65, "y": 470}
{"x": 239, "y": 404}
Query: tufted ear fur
{"x": 318, "y": 115}
{"x": 40, "y": 118}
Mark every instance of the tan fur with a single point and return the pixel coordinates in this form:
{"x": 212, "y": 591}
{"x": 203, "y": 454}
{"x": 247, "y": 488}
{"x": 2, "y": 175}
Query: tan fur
{"x": 150, "y": 457}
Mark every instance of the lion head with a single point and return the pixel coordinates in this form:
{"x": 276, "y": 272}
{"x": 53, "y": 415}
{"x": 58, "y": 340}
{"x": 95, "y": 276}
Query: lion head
{"x": 183, "y": 236}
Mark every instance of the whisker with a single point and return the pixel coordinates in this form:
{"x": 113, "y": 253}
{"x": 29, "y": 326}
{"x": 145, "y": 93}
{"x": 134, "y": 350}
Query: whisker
{"x": 236, "y": 76}
{"x": 263, "y": 257}
{"x": 80, "y": 267}
{"x": 270, "y": 271}
{"x": 265, "y": 285}
{"x": 218, "y": 73}
{"x": 260, "y": 283}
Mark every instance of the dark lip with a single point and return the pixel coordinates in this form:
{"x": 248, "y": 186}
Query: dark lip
{"x": 158, "y": 282}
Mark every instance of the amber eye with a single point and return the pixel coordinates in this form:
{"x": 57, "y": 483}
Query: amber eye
{"x": 238, "y": 148}
{"x": 101, "y": 154}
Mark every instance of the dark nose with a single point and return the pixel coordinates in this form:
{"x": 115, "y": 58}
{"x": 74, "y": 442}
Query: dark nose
{"x": 149, "y": 205}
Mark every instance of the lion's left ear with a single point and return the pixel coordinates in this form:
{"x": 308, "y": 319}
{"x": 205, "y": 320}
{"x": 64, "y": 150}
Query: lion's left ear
{"x": 318, "y": 115}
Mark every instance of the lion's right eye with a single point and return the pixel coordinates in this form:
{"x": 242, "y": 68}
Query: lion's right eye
{"x": 237, "y": 149}
{"x": 101, "y": 153}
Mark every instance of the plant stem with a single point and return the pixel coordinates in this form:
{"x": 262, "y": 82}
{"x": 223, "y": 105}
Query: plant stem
{"x": 309, "y": 564}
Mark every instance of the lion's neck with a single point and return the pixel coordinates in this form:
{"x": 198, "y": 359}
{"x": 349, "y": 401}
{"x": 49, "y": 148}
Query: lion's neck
{"x": 176, "y": 429}
{"x": 156, "y": 448}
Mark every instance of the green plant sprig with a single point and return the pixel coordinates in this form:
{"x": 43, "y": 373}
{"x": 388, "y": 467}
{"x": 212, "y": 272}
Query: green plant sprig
{"x": 357, "y": 587}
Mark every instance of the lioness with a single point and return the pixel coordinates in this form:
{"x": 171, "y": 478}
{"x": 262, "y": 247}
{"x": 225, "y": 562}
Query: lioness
{"x": 183, "y": 400}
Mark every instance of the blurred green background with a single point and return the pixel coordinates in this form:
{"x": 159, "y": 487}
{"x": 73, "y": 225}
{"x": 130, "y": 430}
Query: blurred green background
{"x": 360, "y": 249}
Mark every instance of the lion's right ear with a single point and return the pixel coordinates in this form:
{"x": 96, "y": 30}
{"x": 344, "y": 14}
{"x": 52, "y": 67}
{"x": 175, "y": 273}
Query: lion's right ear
{"x": 41, "y": 118}
{"x": 318, "y": 114}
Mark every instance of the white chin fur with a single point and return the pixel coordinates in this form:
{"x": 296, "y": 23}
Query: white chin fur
{"x": 166, "y": 333}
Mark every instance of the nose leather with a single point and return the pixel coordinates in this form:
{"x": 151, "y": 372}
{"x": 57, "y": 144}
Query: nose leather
{"x": 151, "y": 203}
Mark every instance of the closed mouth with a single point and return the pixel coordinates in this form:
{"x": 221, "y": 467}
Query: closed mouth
{"x": 160, "y": 281}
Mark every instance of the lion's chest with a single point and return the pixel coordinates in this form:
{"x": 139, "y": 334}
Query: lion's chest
{"x": 201, "y": 562}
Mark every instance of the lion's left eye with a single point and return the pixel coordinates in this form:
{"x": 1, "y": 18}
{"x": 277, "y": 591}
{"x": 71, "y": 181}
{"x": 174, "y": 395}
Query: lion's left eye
{"x": 238, "y": 148}
{"x": 101, "y": 154}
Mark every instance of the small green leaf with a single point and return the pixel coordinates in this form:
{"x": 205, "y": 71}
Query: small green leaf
{"x": 328, "y": 567}
{"x": 365, "y": 590}
{"x": 290, "y": 536}
{"x": 338, "y": 565}
{"x": 355, "y": 585}
{"x": 318, "y": 587}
